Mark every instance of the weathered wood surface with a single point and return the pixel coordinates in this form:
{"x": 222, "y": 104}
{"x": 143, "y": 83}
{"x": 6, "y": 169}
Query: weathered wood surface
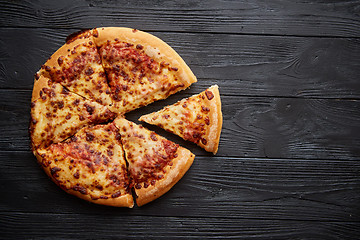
{"x": 278, "y": 17}
{"x": 242, "y": 65}
{"x": 288, "y": 164}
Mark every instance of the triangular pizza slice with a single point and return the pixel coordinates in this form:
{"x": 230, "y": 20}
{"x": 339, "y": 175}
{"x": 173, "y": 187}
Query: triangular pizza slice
{"x": 140, "y": 67}
{"x": 77, "y": 66}
{"x": 155, "y": 163}
{"x": 57, "y": 114}
{"x": 197, "y": 119}
{"x": 90, "y": 165}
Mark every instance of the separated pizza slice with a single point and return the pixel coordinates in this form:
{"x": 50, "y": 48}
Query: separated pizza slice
{"x": 77, "y": 66}
{"x": 140, "y": 67}
{"x": 57, "y": 114}
{"x": 155, "y": 163}
{"x": 90, "y": 165}
{"x": 197, "y": 119}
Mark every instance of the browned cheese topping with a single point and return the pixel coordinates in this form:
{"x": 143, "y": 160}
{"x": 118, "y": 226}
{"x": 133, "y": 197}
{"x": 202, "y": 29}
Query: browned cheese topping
{"x": 58, "y": 114}
{"x": 147, "y": 153}
{"x": 135, "y": 78}
{"x": 91, "y": 163}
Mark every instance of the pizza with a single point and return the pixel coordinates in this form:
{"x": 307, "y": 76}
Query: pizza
{"x": 77, "y": 66}
{"x": 140, "y": 67}
{"x": 90, "y": 165}
{"x": 78, "y": 129}
{"x": 197, "y": 119}
{"x": 57, "y": 113}
{"x": 155, "y": 163}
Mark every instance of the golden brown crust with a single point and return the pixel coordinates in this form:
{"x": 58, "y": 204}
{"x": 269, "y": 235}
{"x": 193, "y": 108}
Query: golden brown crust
{"x": 40, "y": 83}
{"x": 216, "y": 121}
{"x": 153, "y": 46}
{"x": 173, "y": 174}
{"x": 197, "y": 119}
{"x": 64, "y": 50}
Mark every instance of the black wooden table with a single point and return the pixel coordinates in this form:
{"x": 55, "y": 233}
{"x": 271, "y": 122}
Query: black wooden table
{"x": 288, "y": 163}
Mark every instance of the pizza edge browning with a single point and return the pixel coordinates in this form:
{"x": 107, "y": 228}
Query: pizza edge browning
{"x": 126, "y": 200}
{"x": 174, "y": 173}
{"x": 185, "y": 158}
{"x": 215, "y": 121}
{"x": 154, "y": 47}
{"x": 215, "y": 118}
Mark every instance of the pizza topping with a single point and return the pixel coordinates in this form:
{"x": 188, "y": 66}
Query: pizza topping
{"x": 209, "y": 94}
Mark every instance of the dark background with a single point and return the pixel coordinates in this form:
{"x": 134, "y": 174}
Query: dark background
{"x": 288, "y": 162}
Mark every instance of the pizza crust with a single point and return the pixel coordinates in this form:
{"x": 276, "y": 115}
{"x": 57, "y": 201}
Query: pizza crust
{"x": 215, "y": 119}
{"x": 173, "y": 174}
{"x": 122, "y": 201}
{"x": 39, "y": 84}
{"x": 153, "y": 46}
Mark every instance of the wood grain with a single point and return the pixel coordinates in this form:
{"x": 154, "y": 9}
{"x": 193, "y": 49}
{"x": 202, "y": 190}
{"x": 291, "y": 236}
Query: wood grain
{"x": 286, "y": 17}
{"x": 241, "y": 65}
{"x": 253, "y": 127}
{"x": 238, "y": 188}
{"x": 89, "y": 226}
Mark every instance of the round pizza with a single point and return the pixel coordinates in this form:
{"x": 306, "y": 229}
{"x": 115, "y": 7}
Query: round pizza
{"x": 78, "y": 130}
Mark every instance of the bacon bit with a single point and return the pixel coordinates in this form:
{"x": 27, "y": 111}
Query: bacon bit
{"x": 209, "y": 94}
{"x": 153, "y": 182}
{"x": 205, "y": 109}
{"x": 77, "y": 175}
{"x": 153, "y": 136}
{"x": 146, "y": 185}
{"x": 68, "y": 116}
{"x": 80, "y": 189}
{"x": 89, "y": 71}
{"x": 198, "y": 116}
{"x": 115, "y": 195}
{"x": 174, "y": 69}
{"x": 166, "y": 116}
{"x": 76, "y": 102}
{"x": 203, "y": 140}
{"x": 89, "y": 109}
{"x": 138, "y": 186}
{"x": 81, "y": 118}
{"x": 54, "y": 171}
{"x": 134, "y": 30}
{"x": 90, "y": 136}
{"x": 103, "y": 197}
{"x": 99, "y": 187}
{"x": 60, "y": 60}
{"x": 139, "y": 46}
{"x": 207, "y": 120}
{"x": 184, "y": 105}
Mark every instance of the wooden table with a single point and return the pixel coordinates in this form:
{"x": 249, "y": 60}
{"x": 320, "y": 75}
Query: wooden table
{"x": 288, "y": 164}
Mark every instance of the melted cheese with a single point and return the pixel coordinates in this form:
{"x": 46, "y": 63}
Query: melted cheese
{"x": 77, "y": 66}
{"x": 189, "y": 118}
{"x": 135, "y": 78}
{"x": 58, "y": 114}
{"x": 147, "y": 153}
{"x": 91, "y": 163}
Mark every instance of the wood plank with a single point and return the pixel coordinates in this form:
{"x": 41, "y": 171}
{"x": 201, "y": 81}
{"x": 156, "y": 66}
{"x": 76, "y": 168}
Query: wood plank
{"x": 253, "y": 126}
{"x": 285, "y": 17}
{"x": 80, "y": 226}
{"x": 238, "y": 188}
{"x": 241, "y": 65}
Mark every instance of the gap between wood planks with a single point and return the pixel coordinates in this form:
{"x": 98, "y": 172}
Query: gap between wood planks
{"x": 195, "y": 32}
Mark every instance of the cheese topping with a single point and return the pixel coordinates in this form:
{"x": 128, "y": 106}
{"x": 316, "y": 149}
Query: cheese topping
{"x": 58, "y": 114}
{"x": 147, "y": 153}
{"x": 135, "y": 78}
{"x": 91, "y": 163}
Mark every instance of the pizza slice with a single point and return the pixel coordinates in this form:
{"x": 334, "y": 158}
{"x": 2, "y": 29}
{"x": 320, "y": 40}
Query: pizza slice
{"x": 90, "y": 165}
{"x": 140, "y": 67}
{"x": 77, "y": 66}
{"x": 155, "y": 163}
{"x": 197, "y": 119}
{"x": 57, "y": 114}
